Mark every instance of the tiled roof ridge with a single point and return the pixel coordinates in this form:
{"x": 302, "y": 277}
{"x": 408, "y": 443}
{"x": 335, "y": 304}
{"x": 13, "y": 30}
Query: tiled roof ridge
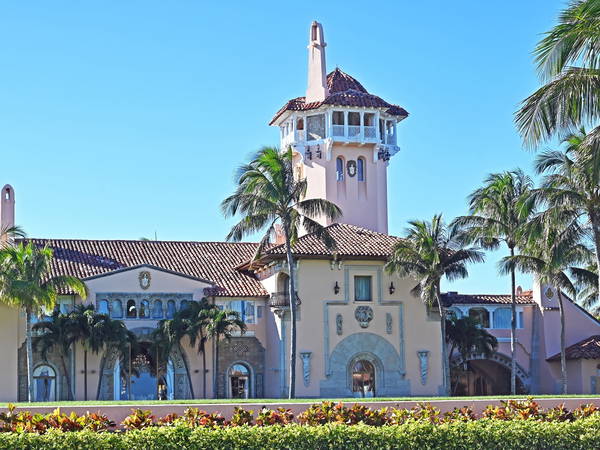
{"x": 163, "y": 241}
{"x": 587, "y": 348}
{"x": 338, "y": 225}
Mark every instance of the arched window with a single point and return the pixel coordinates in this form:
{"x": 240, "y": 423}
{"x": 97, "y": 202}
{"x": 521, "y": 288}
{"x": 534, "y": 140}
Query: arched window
{"x": 360, "y": 169}
{"x": 339, "y": 169}
{"x": 44, "y": 384}
{"x": 103, "y": 307}
{"x": 363, "y": 379}
{"x": 454, "y": 312}
{"x": 117, "y": 309}
{"x": 502, "y": 318}
{"x": 157, "y": 309}
{"x": 183, "y": 304}
{"x": 481, "y": 315}
{"x": 144, "y": 309}
{"x": 131, "y": 309}
{"x": 170, "y": 309}
{"x": 239, "y": 381}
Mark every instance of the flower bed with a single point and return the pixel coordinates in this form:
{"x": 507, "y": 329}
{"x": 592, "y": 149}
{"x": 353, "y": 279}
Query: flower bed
{"x": 514, "y": 424}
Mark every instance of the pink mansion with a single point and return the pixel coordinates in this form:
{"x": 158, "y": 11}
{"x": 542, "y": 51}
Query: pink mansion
{"x": 360, "y": 331}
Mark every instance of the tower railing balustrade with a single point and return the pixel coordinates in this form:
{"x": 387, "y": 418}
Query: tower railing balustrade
{"x": 347, "y": 133}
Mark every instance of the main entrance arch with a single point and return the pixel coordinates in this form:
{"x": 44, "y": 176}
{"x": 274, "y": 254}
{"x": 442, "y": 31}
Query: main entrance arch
{"x": 149, "y": 377}
{"x": 364, "y": 364}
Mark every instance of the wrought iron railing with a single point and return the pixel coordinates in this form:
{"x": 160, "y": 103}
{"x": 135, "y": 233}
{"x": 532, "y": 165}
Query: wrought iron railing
{"x": 281, "y": 299}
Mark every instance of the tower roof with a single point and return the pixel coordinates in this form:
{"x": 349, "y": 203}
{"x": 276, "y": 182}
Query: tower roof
{"x": 344, "y": 90}
{"x": 340, "y": 81}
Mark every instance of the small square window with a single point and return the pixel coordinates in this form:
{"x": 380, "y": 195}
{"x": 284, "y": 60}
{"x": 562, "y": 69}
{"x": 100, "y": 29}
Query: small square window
{"x": 362, "y": 289}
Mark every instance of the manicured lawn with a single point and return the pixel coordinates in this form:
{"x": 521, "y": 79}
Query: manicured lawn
{"x": 266, "y": 401}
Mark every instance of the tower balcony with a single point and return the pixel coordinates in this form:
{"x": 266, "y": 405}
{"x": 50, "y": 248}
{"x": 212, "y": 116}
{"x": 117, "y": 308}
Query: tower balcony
{"x": 345, "y": 126}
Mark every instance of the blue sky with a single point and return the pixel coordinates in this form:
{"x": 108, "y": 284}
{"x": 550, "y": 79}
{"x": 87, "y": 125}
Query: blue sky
{"x": 122, "y": 119}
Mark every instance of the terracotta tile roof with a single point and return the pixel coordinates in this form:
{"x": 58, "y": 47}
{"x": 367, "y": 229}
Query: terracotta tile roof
{"x": 350, "y": 240}
{"x": 589, "y": 348}
{"x": 213, "y": 261}
{"x": 339, "y": 81}
{"x": 454, "y": 298}
{"x": 344, "y": 90}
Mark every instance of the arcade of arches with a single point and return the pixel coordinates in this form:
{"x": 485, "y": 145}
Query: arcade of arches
{"x": 483, "y": 377}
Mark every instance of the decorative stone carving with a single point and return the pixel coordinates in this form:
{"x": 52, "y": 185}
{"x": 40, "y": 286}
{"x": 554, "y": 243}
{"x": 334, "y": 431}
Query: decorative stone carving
{"x": 240, "y": 349}
{"x": 364, "y": 315}
{"x": 388, "y": 323}
{"x": 423, "y": 364}
{"x": 339, "y": 323}
{"x": 305, "y": 356}
{"x": 144, "y": 278}
{"x": 549, "y": 293}
{"x": 351, "y": 168}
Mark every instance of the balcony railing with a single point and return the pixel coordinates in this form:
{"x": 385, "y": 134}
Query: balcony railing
{"x": 281, "y": 300}
{"x": 370, "y": 132}
{"x": 390, "y": 139}
{"x": 353, "y": 130}
{"x": 338, "y": 130}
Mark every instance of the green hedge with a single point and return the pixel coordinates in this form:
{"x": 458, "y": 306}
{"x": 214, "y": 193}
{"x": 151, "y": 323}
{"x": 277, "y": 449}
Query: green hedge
{"x": 481, "y": 434}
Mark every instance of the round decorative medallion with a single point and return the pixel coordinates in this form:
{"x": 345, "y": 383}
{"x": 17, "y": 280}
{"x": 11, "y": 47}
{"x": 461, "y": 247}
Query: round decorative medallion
{"x": 144, "y": 278}
{"x": 363, "y": 314}
{"x": 351, "y": 168}
{"x": 549, "y": 293}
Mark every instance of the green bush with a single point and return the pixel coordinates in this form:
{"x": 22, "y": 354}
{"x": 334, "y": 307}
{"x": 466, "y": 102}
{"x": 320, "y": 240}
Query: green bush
{"x": 480, "y": 434}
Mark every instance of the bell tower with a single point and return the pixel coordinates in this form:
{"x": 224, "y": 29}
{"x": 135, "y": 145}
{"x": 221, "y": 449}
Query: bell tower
{"x": 343, "y": 138}
{"x": 7, "y": 207}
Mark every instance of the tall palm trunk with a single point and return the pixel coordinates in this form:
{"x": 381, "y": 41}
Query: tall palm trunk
{"x": 67, "y": 377}
{"x": 29, "y": 351}
{"x": 513, "y": 329}
{"x": 445, "y": 361}
{"x": 595, "y": 220}
{"x": 85, "y": 371}
{"x": 563, "y": 356}
{"x": 290, "y": 261}
{"x": 203, "y": 351}
{"x": 216, "y": 393}
{"x": 187, "y": 372}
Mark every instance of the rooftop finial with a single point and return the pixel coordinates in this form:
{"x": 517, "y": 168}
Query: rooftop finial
{"x": 317, "y": 70}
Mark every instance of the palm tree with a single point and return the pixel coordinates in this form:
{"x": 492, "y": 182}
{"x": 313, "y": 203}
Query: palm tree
{"x": 222, "y": 323}
{"x": 168, "y": 335}
{"x": 571, "y": 185}
{"x": 429, "y": 252}
{"x": 466, "y": 335}
{"x": 56, "y": 333}
{"x": 26, "y": 281}
{"x": 89, "y": 330}
{"x": 499, "y": 212}
{"x": 268, "y": 194}
{"x": 114, "y": 335}
{"x": 8, "y": 234}
{"x": 555, "y": 248}
{"x": 567, "y": 60}
{"x": 198, "y": 316}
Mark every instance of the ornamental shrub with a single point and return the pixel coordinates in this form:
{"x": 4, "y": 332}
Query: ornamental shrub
{"x": 479, "y": 434}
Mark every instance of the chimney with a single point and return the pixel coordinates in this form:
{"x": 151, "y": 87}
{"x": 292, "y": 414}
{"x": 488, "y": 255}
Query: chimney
{"x": 316, "y": 90}
{"x": 7, "y": 207}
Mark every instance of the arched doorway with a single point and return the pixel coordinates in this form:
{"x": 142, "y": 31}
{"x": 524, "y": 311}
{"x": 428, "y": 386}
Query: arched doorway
{"x": 44, "y": 384}
{"x": 146, "y": 376}
{"x": 363, "y": 378}
{"x": 239, "y": 381}
{"x": 384, "y": 375}
{"x": 485, "y": 376}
